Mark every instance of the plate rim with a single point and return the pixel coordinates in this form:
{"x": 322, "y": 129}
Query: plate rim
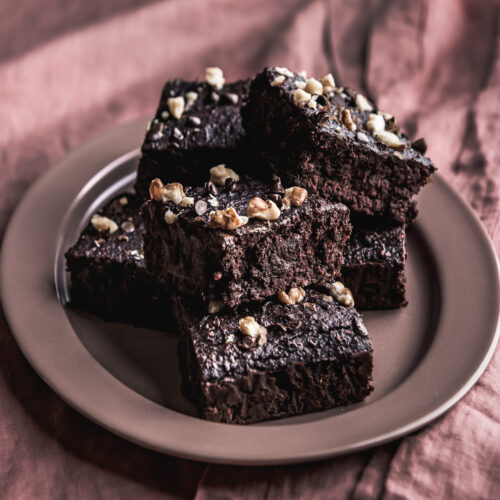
{"x": 114, "y": 138}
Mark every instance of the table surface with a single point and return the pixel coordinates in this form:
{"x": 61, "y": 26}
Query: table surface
{"x": 71, "y": 71}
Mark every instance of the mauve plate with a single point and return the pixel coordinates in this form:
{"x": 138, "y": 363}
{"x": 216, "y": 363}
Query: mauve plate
{"x": 427, "y": 355}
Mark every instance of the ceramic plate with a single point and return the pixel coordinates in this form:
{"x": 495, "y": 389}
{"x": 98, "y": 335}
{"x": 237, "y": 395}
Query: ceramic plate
{"x": 427, "y": 355}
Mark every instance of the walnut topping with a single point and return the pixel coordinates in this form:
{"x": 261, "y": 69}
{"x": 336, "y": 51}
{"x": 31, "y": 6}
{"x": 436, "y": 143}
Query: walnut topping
{"x": 173, "y": 192}
{"x": 362, "y": 137}
{"x": 214, "y": 306}
{"x": 294, "y": 196}
{"x": 226, "y": 219}
{"x": 214, "y": 77}
{"x": 375, "y": 123}
{"x": 191, "y": 96}
{"x": 176, "y": 106}
{"x": 294, "y": 296}
{"x": 390, "y": 139}
{"x": 220, "y": 173}
{"x": 328, "y": 83}
{"x": 103, "y": 224}
{"x": 385, "y": 116}
{"x": 362, "y": 103}
{"x": 327, "y": 298}
{"x": 300, "y": 84}
{"x": 314, "y": 87}
{"x": 263, "y": 210}
{"x": 303, "y": 74}
{"x": 312, "y": 104}
{"x": 284, "y": 71}
{"x": 155, "y": 189}
{"x": 123, "y": 201}
{"x": 187, "y": 201}
{"x": 342, "y": 294}
{"x": 170, "y": 217}
{"x": 301, "y": 96}
{"x": 248, "y": 326}
{"x": 278, "y": 81}
{"x": 347, "y": 120}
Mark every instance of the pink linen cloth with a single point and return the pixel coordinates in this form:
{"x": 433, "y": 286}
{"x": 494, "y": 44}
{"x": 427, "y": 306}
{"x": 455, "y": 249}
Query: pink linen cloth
{"x": 69, "y": 70}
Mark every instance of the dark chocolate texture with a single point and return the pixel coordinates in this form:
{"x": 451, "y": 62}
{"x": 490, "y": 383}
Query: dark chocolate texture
{"x": 374, "y": 267}
{"x": 208, "y": 133}
{"x": 257, "y": 260}
{"x": 317, "y": 355}
{"x": 108, "y": 275}
{"x": 316, "y": 148}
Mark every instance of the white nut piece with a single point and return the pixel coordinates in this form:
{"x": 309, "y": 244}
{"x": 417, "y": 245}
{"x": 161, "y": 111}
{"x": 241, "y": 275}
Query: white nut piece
{"x": 103, "y": 224}
{"x": 347, "y": 120}
{"x": 187, "y": 201}
{"x": 170, "y": 217}
{"x": 214, "y": 77}
{"x": 191, "y": 96}
{"x": 389, "y": 139}
{"x": 226, "y": 219}
{"x": 176, "y": 106}
{"x": 263, "y": 210}
{"x": 314, "y": 86}
{"x": 295, "y": 196}
{"x": 283, "y": 71}
{"x": 301, "y": 96}
{"x": 342, "y": 294}
{"x": 312, "y": 104}
{"x": 386, "y": 116}
{"x": 173, "y": 192}
{"x": 219, "y": 174}
{"x": 328, "y": 83}
{"x": 278, "y": 81}
{"x": 300, "y": 84}
{"x": 250, "y": 327}
{"x": 214, "y": 306}
{"x": 294, "y": 296}
{"x": 375, "y": 123}
{"x": 362, "y": 103}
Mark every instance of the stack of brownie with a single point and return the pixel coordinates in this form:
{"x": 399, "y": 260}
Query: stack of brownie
{"x": 269, "y": 208}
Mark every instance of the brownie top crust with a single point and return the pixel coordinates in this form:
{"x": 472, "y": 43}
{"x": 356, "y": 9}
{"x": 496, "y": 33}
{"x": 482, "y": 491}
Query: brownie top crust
{"x": 344, "y": 114}
{"x": 317, "y": 328}
{"x": 113, "y": 233}
{"x": 205, "y": 201}
{"x": 384, "y": 245}
{"x": 193, "y": 115}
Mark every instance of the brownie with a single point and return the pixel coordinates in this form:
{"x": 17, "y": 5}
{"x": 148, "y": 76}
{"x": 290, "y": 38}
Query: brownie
{"x": 209, "y": 132}
{"x": 313, "y": 355}
{"x": 374, "y": 267}
{"x": 189, "y": 250}
{"x": 335, "y": 143}
{"x": 107, "y": 272}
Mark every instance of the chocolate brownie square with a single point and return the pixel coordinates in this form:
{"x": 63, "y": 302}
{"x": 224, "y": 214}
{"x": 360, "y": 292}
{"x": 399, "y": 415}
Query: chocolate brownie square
{"x": 234, "y": 244}
{"x": 374, "y": 267}
{"x": 335, "y": 143}
{"x": 197, "y": 125}
{"x": 270, "y": 359}
{"x": 107, "y": 272}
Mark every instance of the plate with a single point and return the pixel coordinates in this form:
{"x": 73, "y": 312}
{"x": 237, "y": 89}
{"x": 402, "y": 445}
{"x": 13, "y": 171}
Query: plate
{"x": 427, "y": 355}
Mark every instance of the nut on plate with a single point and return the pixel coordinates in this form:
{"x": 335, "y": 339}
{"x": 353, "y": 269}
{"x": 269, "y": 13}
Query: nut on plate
{"x": 226, "y": 219}
{"x": 294, "y": 296}
{"x": 103, "y": 224}
{"x": 342, "y": 294}
{"x": 219, "y": 174}
{"x": 248, "y": 326}
{"x": 262, "y": 209}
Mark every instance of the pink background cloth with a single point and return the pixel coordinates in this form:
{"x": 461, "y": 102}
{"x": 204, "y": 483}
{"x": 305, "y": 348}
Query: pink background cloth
{"x": 69, "y": 70}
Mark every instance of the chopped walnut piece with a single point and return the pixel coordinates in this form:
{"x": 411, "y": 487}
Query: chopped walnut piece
{"x": 328, "y": 83}
{"x": 390, "y": 139}
{"x": 170, "y": 217}
{"x": 191, "y": 96}
{"x": 103, "y": 224}
{"x": 263, "y": 210}
{"x": 312, "y": 104}
{"x": 176, "y": 106}
{"x": 284, "y": 71}
{"x": 362, "y": 103}
{"x": 214, "y": 77}
{"x": 294, "y": 196}
{"x": 220, "y": 173}
{"x": 187, "y": 201}
{"x": 375, "y": 123}
{"x": 385, "y": 116}
{"x": 214, "y": 306}
{"x": 173, "y": 192}
{"x": 301, "y": 96}
{"x": 155, "y": 189}
{"x": 250, "y": 327}
{"x": 278, "y": 81}
{"x": 294, "y": 296}
{"x": 342, "y": 294}
{"x": 347, "y": 120}
{"x": 327, "y": 298}
{"x": 226, "y": 219}
{"x": 314, "y": 87}
{"x": 300, "y": 84}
